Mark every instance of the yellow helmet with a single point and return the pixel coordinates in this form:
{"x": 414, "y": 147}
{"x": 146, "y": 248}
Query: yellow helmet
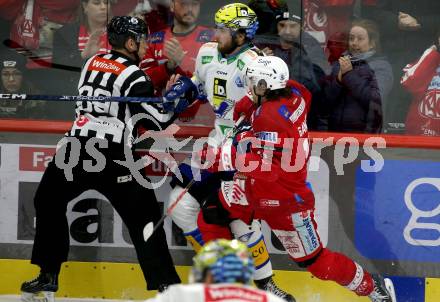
{"x": 237, "y": 16}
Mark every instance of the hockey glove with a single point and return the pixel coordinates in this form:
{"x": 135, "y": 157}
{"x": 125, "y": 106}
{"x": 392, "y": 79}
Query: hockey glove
{"x": 181, "y": 94}
{"x": 245, "y": 107}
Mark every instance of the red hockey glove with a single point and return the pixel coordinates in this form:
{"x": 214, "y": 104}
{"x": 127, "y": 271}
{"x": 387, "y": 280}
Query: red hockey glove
{"x": 245, "y": 107}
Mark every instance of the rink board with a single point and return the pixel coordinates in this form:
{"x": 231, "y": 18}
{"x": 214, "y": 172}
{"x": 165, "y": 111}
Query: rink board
{"x": 124, "y": 281}
{"x": 363, "y": 215}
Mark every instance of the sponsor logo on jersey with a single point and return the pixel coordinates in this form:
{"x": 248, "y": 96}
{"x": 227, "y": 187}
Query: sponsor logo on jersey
{"x": 269, "y": 203}
{"x": 205, "y": 36}
{"x": 156, "y": 38}
{"x": 239, "y": 82}
{"x": 221, "y": 72}
{"x": 284, "y": 112}
{"x": 298, "y": 111}
{"x": 240, "y": 64}
{"x": 233, "y": 293}
{"x": 219, "y": 91}
{"x": 267, "y": 136}
{"x": 207, "y": 59}
{"x": 104, "y": 65}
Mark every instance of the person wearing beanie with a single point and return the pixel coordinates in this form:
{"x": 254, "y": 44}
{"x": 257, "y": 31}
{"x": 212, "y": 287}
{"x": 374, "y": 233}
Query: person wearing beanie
{"x": 302, "y": 53}
{"x": 13, "y": 80}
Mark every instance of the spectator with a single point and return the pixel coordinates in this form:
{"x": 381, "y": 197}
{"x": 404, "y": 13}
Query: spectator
{"x": 359, "y": 84}
{"x": 14, "y": 80}
{"x": 174, "y": 50}
{"x": 34, "y": 23}
{"x": 329, "y": 21}
{"x": 422, "y": 80}
{"x": 407, "y": 28}
{"x": 159, "y": 17}
{"x": 267, "y": 12}
{"x": 301, "y": 52}
{"x": 78, "y": 41}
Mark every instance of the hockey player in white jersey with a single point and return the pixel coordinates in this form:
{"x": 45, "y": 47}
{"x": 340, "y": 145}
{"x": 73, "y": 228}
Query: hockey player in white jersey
{"x": 222, "y": 271}
{"x": 219, "y": 74}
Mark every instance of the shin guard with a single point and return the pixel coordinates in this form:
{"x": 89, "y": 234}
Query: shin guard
{"x": 252, "y": 236}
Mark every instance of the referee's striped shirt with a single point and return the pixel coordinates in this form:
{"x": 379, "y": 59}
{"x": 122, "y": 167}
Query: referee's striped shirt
{"x": 115, "y": 75}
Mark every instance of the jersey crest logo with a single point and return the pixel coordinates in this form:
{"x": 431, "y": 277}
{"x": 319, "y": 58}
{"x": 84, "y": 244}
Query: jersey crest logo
{"x": 157, "y": 37}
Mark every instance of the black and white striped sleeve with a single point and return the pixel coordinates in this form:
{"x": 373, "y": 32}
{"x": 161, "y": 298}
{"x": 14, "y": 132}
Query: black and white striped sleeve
{"x": 138, "y": 85}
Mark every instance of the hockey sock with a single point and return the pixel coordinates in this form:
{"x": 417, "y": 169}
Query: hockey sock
{"x": 344, "y": 271}
{"x": 195, "y": 239}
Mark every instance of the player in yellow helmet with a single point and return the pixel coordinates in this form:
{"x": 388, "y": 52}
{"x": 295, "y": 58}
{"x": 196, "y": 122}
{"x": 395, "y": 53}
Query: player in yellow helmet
{"x": 219, "y": 75}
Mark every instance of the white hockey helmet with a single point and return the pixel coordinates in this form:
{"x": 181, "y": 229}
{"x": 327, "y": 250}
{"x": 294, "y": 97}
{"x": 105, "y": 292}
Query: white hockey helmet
{"x": 270, "y": 71}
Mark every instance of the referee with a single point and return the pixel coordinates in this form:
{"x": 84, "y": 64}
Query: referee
{"x": 102, "y": 126}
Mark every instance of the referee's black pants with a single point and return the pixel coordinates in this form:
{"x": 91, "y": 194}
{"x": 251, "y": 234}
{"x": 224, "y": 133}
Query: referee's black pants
{"x": 135, "y": 204}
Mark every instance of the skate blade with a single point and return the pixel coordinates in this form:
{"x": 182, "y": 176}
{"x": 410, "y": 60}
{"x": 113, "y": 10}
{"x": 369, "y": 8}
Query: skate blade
{"x": 390, "y": 287}
{"x": 43, "y": 296}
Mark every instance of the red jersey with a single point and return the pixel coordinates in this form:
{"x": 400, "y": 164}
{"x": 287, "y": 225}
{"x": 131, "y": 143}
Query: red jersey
{"x": 83, "y": 38}
{"x": 422, "y": 79}
{"x": 277, "y": 184}
{"x": 154, "y": 61}
{"x": 281, "y": 125}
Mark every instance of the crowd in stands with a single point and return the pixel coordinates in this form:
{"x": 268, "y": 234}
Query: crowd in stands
{"x": 372, "y": 65}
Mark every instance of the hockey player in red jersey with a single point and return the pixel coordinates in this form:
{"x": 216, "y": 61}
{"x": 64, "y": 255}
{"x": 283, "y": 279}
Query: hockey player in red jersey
{"x": 270, "y": 156}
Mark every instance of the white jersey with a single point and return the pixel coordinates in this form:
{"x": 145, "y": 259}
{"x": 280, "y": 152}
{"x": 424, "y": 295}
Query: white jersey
{"x": 214, "y": 293}
{"x": 222, "y": 80}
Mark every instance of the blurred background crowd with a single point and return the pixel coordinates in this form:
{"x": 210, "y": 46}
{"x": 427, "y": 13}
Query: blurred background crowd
{"x": 372, "y": 65}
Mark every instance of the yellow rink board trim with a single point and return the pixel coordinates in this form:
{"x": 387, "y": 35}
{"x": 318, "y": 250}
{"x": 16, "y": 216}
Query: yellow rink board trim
{"x": 125, "y": 281}
{"x": 432, "y": 290}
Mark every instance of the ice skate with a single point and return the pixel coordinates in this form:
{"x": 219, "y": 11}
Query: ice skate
{"x": 267, "y": 284}
{"x": 41, "y": 289}
{"x": 383, "y": 290}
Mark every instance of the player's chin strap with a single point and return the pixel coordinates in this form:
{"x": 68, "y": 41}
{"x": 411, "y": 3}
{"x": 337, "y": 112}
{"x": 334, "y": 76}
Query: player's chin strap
{"x": 259, "y": 97}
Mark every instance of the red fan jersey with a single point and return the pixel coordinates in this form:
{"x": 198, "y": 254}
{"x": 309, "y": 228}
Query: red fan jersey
{"x": 422, "y": 79}
{"x": 154, "y": 61}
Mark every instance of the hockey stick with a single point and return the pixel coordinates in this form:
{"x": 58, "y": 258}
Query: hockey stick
{"x": 150, "y": 228}
{"x": 73, "y": 98}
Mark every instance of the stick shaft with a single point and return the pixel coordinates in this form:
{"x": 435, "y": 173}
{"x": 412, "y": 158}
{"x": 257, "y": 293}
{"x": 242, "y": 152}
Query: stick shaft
{"x": 76, "y": 98}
